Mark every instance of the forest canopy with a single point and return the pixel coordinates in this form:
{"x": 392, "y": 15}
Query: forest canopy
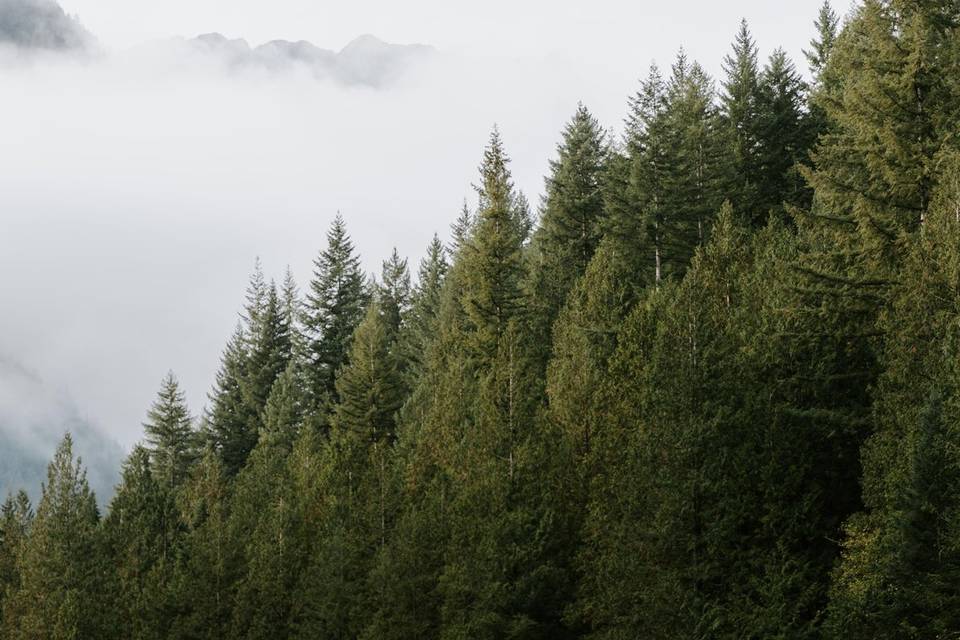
{"x": 709, "y": 388}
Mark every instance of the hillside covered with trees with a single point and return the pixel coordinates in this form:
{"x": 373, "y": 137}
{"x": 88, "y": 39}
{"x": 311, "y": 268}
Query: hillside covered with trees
{"x": 710, "y": 389}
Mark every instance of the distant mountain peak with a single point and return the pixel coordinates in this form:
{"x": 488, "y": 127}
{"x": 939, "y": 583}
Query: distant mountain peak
{"x": 366, "y": 60}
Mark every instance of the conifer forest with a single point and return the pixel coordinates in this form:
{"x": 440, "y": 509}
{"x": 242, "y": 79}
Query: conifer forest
{"x": 707, "y": 387}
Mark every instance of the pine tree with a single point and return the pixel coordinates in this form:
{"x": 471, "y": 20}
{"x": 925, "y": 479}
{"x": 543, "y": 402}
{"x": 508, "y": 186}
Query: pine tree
{"x": 58, "y": 561}
{"x": 283, "y": 415}
{"x": 874, "y": 172}
{"x": 171, "y": 440}
{"x": 358, "y": 507}
{"x": 336, "y": 304}
{"x": 269, "y": 354}
{"x": 292, "y": 314}
{"x": 369, "y": 387}
{"x": 461, "y": 230}
{"x": 664, "y": 193}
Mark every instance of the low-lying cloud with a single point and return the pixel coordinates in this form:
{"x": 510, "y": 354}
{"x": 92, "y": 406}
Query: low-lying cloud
{"x": 137, "y": 187}
{"x": 34, "y": 415}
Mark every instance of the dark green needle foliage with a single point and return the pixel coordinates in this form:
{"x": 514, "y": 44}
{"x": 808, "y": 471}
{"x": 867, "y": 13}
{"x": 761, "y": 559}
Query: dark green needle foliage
{"x": 711, "y": 391}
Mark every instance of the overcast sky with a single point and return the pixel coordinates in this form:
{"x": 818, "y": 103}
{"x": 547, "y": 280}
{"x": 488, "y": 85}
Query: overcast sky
{"x": 134, "y": 198}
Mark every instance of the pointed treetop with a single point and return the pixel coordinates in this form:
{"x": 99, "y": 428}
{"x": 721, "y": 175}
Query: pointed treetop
{"x": 460, "y": 229}
{"x": 395, "y": 290}
{"x": 827, "y": 24}
{"x": 255, "y": 296}
{"x": 741, "y": 65}
{"x": 169, "y": 432}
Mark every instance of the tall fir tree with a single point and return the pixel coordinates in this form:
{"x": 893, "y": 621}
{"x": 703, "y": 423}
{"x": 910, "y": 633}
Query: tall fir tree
{"x": 394, "y": 291}
{"x": 573, "y": 216}
{"x": 741, "y": 89}
{"x": 493, "y": 264}
{"x": 171, "y": 439}
{"x": 784, "y": 136}
{"x": 336, "y": 302}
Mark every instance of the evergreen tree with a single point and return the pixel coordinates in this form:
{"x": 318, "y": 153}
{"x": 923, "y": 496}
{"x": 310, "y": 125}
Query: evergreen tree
{"x": 226, "y": 426}
{"x": 573, "y": 215}
{"x": 741, "y": 89}
{"x": 369, "y": 387}
{"x": 205, "y": 575}
{"x": 395, "y": 291}
{"x": 818, "y": 55}
{"x": 336, "y": 304}
{"x": 58, "y": 561}
{"x": 663, "y": 195}
{"x": 901, "y": 557}
{"x": 783, "y": 136}
{"x": 420, "y": 325}
{"x": 169, "y": 433}
{"x": 354, "y": 475}
{"x": 269, "y": 354}
{"x": 492, "y": 259}
{"x": 141, "y": 537}
{"x": 16, "y": 515}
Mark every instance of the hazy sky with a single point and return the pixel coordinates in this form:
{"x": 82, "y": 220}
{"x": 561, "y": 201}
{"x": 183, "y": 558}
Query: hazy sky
{"x": 134, "y": 196}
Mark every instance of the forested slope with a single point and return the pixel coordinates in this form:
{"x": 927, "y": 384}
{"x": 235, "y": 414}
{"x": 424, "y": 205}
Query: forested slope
{"x": 712, "y": 390}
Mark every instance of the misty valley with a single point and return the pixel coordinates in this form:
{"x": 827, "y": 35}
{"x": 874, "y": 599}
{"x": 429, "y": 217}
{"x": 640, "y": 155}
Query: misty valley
{"x": 706, "y": 385}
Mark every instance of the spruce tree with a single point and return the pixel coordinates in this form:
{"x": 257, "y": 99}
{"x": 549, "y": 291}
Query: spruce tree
{"x": 205, "y": 575}
{"x": 269, "y": 354}
{"x": 827, "y": 26}
{"x": 420, "y": 326}
{"x": 493, "y": 265}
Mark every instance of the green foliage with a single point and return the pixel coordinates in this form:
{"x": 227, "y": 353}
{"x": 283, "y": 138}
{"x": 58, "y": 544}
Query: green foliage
{"x": 141, "y": 535}
{"x": 336, "y": 303}
{"x": 901, "y": 562}
{"x": 171, "y": 440}
{"x": 573, "y": 215}
{"x": 650, "y": 415}
{"x": 58, "y": 560}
